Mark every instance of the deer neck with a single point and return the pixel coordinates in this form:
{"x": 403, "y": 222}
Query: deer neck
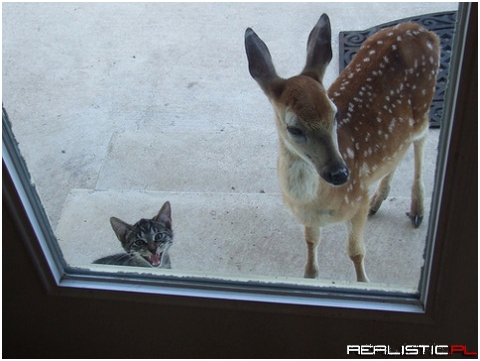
{"x": 298, "y": 177}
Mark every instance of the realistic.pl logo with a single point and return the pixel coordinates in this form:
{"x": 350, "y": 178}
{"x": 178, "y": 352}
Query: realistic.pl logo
{"x": 409, "y": 350}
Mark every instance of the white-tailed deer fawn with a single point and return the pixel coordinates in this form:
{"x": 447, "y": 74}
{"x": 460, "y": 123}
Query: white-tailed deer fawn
{"x": 334, "y": 144}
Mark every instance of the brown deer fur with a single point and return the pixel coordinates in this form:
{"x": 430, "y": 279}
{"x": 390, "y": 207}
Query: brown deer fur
{"x": 334, "y": 144}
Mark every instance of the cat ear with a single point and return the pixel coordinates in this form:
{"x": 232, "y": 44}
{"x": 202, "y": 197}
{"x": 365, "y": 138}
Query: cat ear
{"x": 120, "y": 228}
{"x": 165, "y": 215}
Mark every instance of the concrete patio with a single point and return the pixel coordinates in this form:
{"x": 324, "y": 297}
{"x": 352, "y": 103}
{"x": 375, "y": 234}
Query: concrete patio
{"x": 119, "y": 107}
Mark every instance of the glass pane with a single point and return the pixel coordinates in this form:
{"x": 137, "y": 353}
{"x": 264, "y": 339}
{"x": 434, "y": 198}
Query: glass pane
{"x": 119, "y": 108}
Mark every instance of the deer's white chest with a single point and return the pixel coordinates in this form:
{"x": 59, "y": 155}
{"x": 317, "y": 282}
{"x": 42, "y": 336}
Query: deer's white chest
{"x": 299, "y": 180}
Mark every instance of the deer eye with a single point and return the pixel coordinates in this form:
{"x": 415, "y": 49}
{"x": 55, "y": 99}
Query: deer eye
{"x": 296, "y": 132}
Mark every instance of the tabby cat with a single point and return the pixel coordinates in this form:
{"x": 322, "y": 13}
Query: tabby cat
{"x": 146, "y": 243}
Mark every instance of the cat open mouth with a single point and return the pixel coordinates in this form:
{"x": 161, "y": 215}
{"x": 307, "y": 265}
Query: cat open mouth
{"x": 155, "y": 260}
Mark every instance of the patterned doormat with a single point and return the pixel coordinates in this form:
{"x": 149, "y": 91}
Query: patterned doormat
{"x": 441, "y": 23}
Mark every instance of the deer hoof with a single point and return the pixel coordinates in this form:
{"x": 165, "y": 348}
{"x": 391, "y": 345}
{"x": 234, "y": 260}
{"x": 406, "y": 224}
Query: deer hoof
{"x": 416, "y": 219}
{"x": 310, "y": 272}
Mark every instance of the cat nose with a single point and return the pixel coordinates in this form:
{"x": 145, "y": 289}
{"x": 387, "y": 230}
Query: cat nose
{"x": 152, "y": 247}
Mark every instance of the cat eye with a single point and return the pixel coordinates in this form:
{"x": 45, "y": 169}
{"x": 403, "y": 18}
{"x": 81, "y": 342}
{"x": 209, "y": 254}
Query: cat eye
{"x": 140, "y": 242}
{"x": 159, "y": 236}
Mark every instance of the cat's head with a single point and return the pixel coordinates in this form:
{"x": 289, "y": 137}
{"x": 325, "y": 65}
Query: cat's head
{"x": 148, "y": 239}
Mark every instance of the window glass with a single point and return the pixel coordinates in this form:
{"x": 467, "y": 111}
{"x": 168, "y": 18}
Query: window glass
{"x": 117, "y": 115}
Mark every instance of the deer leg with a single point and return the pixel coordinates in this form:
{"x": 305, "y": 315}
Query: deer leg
{"x": 312, "y": 237}
{"x": 356, "y": 246}
{"x": 417, "y": 209}
{"x": 381, "y": 193}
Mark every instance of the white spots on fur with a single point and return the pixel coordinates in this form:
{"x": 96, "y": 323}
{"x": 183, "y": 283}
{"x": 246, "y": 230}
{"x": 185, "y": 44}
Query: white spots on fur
{"x": 364, "y": 170}
{"x": 350, "y": 75}
{"x": 357, "y": 146}
{"x": 390, "y": 33}
{"x": 394, "y": 47}
{"x": 379, "y": 119}
{"x": 350, "y": 153}
{"x": 411, "y": 121}
{"x": 366, "y": 60}
{"x": 371, "y": 52}
{"x": 429, "y": 45}
{"x": 336, "y": 94}
{"x": 391, "y": 126}
{"x": 399, "y": 38}
{"x": 379, "y": 42}
{"x": 424, "y": 91}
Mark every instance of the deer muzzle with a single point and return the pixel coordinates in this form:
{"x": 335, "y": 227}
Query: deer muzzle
{"x": 335, "y": 174}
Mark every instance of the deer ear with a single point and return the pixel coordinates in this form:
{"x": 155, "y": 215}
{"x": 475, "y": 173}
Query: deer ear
{"x": 260, "y": 62}
{"x": 165, "y": 215}
{"x": 319, "y": 49}
{"x": 120, "y": 228}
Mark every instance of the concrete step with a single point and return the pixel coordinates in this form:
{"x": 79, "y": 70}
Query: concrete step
{"x": 242, "y": 234}
{"x": 230, "y": 161}
{"x": 191, "y": 162}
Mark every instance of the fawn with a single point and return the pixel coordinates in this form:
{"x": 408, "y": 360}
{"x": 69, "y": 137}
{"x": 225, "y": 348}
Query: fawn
{"x": 334, "y": 144}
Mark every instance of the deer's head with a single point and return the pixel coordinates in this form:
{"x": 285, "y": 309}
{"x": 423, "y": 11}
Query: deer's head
{"x": 305, "y": 115}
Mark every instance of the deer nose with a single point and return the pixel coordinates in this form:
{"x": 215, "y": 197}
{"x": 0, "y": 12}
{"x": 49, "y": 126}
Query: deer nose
{"x": 336, "y": 174}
